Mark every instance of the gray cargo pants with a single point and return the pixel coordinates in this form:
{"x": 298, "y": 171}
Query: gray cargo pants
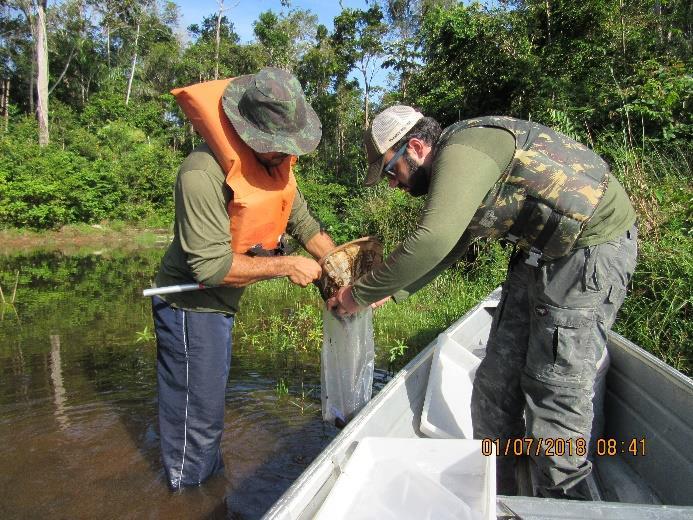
{"x": 537, "y": 380}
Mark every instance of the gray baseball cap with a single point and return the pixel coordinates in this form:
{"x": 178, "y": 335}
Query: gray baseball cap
{"x": 387, "y": 128}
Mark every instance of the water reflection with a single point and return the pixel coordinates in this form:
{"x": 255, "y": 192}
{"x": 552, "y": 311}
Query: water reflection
{"x": 78, "y": 399}
{"x": 58, "y": 387}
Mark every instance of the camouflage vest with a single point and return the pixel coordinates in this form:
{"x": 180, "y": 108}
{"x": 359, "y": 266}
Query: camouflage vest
{"x": 544, "y": 198}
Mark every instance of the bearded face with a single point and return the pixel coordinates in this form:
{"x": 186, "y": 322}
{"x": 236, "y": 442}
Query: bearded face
{"x": 419, "y": 179}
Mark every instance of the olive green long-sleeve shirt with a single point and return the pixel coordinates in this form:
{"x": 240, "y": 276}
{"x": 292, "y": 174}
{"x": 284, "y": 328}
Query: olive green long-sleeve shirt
{"x": 201, "y": 248}
{"x": 462, "y": 174}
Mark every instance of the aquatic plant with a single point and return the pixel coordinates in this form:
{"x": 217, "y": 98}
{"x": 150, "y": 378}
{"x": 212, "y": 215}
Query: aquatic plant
{"x": 144, "y": 336}
{"x": 281, "y": 388}
{"x": 397, "y": 350}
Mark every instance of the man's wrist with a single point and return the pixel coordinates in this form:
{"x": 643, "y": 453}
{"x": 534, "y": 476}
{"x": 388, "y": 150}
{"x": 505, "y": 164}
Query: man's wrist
{"x": 346, "y": 300}
{"x": 285, "y": 265}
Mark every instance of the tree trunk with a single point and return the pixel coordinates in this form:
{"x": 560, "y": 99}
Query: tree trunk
{"x": 366, "y": 105}
{"x": 62, "y": 74}
{"x": 6, "y": 103}
{"x": 32, "y": 87}
{"x": 623, "y": 31}
{"x": 658, "y": 15}
{"x": 42, "y": 73}
{"x": 108, "y": 45}
{"x": 366, "y": 94}
{"x": 134, "y": 62}
{"x": 217, "y": 40}
{"x": 548, "y": 22}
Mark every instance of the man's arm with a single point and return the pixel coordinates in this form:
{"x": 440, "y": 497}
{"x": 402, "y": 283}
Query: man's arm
{"x": 319, "y": 245}
{"x": 461, "y": 178}
{"x": 304, "y": 228}
{"x": 454, "y": 255}
{"x": 203, "y": 229}
{"x": 250, "y": 269}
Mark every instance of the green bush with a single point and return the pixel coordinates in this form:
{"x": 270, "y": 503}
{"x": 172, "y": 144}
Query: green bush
{"x": 387, "y": 214}
{"x": 328, "y": 202}
{"x": 115, "y": 174}
{"x": 657, "y": 313}
{"x": 33, "y": 187}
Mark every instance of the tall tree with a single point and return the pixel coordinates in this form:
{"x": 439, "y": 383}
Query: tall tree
{"x": 199, "y": 60}
{"x": 41, "y": 72}
{"x": 404, "y": 17}
{"x": 274, "y": 40}
{"x": 476, "y": 62}
{"x": 134, "y": 62}
{"x": 217, "y": 38}
{"x": 358, "y": 42}
{"x": 35, "y": 13}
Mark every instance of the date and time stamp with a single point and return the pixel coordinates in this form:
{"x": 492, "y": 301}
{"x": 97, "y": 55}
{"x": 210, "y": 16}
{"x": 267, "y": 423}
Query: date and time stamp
{"x": 559, "y": 447}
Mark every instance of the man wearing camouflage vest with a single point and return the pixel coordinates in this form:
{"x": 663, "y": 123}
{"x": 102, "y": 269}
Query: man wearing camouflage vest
{"x": 574, "y": 236}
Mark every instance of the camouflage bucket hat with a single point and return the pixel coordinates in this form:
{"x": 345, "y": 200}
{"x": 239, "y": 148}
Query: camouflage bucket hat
{"x": 270, "y": 113}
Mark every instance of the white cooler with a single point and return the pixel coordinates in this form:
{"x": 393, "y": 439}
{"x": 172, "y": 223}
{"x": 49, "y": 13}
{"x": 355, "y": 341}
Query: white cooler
{"x": 415, "y": 479}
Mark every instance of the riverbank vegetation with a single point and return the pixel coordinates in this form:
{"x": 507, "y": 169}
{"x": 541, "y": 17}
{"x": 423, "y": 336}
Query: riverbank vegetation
{"x": 108, "y": 137}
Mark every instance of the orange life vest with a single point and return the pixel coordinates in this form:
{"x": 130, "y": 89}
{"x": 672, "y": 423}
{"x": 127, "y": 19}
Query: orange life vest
{"x": 262, "y": 197}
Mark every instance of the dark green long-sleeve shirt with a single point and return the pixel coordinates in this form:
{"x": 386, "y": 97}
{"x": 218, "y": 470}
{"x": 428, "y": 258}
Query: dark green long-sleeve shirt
{"x": 462, "y": 174}
{"x": 201, "y": 248}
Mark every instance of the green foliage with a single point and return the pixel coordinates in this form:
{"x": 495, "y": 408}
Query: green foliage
{"x": 144, "y": 336}
{"x": 273, "y": 38}
{"x": 657, "y": 314}
{"x": 36, "y": 184}
{"x": 389, "y": 215}
{"x": 476, "y": 62}
{"x": 657, "y": 98}
{"x": 357, "y": 40}
{"x": 109, "y": 107}
{"x": 397, "y": 350}
{"x": 114, "y": 171}
{"x": 281, "y": 388}
{"x": 329, "y": 202}
{"x": 278, "y": 316}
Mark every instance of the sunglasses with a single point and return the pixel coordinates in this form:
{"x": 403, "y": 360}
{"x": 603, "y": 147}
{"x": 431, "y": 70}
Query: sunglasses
{"x": 389, "y": 168}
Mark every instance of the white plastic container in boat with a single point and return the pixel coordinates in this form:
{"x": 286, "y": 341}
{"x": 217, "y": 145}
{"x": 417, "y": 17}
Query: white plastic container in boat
{"x": 447, "y": 406}
{"x": 418, "y": 479}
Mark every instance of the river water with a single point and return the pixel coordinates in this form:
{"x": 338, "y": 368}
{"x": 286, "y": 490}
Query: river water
{"x": 78, "y": 425}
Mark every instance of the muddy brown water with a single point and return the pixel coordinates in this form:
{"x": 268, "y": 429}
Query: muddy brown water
{"x": 78, "y": 424}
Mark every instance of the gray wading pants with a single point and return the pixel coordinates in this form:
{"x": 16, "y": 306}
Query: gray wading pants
{"x": 538, "y": 377}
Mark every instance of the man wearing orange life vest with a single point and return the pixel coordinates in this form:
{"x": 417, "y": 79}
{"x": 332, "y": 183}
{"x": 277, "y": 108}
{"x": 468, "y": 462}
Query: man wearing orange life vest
{"x": 235, "y": 196}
